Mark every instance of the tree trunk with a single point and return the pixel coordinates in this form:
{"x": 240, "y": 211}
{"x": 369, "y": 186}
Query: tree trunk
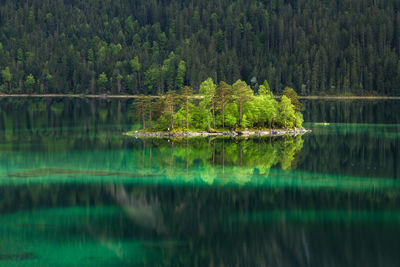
{"x": 137, "y": 82}
{"x": 144, "y": 121}
{"x": 240, "y": 112}
{"x": 187, "y": 113}
{"x": 93, "y": 84}
{"x": 223, "y": 113}
{"x": 213, "y": 113}
{"x": 172, "y": 118}
{"x": 150, "y": 115}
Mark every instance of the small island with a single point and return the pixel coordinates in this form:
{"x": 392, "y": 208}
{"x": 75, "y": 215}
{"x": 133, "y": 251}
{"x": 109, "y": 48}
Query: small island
{"x": 218, "y": 110}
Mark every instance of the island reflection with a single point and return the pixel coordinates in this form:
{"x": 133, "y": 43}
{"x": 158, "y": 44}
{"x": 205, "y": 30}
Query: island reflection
{"x": 232, "y": 160}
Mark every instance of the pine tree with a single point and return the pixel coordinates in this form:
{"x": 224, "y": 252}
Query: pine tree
{"x": 243, "y": 93}
{"x": 223, "y": 96}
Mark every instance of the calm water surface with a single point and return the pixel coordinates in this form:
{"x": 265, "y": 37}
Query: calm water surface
{"x": 75, "y": 192}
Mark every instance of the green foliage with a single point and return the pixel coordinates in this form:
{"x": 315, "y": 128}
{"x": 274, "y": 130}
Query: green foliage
{"x": 292, "y": 95}
{"x": 286, "y": 117}
{"x": 231, "y": 115}
{"x": 6, "y": 75}
{"x": 287, "y": 152}
{"x": 30, "y": 83}
{"x": 265, "y": 89}
{"x": 354, "y": 48}
{"x": 152, "y": 79}
{"x": 220, "y": 42}
{"x": 168, "y": 71}
{"x": 219, "y": 104}
{"x": 102, "y": 81}
{"x": 208, "y": 103}
{"x": 180, "y": 117}
{"x": 250, "y": 114}
{"x": 139, "y": 109}
{"x": 20, "y": 55}
{"x": 299, "y": 120}
{"x": 223, "y": 96}
{"x": 90, "y": 55}
{"x": 267, "y": 109}
{"x": 243, "y": 93}
{"x": 135, "y": 65}
{"x": 186, "y": 97}
{"x": 180, "y": 76}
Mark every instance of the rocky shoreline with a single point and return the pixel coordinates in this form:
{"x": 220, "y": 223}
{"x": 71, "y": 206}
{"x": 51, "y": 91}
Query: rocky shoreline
{"x": 243, "y": 133}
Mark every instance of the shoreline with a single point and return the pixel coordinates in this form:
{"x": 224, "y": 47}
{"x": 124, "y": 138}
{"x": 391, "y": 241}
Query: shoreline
{"x": 333, "y": 97}
{"x": 244, "y": 133}
{"x": 106, "y": 96}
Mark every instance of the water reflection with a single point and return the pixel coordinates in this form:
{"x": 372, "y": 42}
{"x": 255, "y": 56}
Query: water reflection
{"x": 75, "y": 192}
{"x": 136, "y": 225}
{"x": 230, "y": 160}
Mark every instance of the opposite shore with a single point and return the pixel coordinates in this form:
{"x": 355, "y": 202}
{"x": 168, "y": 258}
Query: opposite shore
{"x": 105, "y": 96}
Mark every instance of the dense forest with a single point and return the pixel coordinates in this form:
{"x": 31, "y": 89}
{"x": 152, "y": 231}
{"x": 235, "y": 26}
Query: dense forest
{"x": 152, "y": 46}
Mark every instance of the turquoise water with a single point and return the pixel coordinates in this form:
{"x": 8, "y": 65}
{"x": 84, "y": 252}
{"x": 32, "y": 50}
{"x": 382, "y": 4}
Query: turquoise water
{"x": 75, "y": 192}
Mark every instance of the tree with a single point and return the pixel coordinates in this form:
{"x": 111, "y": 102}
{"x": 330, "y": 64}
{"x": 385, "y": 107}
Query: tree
{"x": 208, "y": 89}
{"x": 186, "y": 95}
{"x": 265, "y": 89}
{"x": 286, "y": 113}
{"x": 294, "y": 98}
{"x": 180, "y": 75}
{"x": 223, "y": 96}
{"x": 220, "y": 42}
{"x": 135, "y": 68}
{"x": 102, "y": 81}
{"x": 267, "y": 108}
{"x": 30, "y": 83}
{"x": 168, "y": 71}
{"x": 170, "y": 99}
{"x": 242, "y": 93}
{"x": 90, "y": 55}
{"x": 152, "y": 79}
{"x": 149, "y": 108}
{"x": 6, "y": 75}
{"x": 139, "y": 109}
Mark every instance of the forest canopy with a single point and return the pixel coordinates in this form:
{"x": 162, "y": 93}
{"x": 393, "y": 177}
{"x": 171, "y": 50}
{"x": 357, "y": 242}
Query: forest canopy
{"x": 152, "y": 46}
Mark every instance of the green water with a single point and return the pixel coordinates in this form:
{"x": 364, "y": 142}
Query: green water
{"x": 75, "y": 192}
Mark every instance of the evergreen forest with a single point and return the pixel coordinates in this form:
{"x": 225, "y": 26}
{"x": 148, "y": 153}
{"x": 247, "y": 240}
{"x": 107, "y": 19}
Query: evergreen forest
{"x": 150, "y": 47}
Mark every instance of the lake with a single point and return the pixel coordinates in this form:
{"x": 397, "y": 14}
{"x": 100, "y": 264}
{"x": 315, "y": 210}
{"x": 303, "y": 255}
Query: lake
{"x": 75, "y": 192}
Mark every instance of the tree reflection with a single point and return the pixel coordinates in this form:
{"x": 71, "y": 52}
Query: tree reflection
{"x": 230, "y": 160}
